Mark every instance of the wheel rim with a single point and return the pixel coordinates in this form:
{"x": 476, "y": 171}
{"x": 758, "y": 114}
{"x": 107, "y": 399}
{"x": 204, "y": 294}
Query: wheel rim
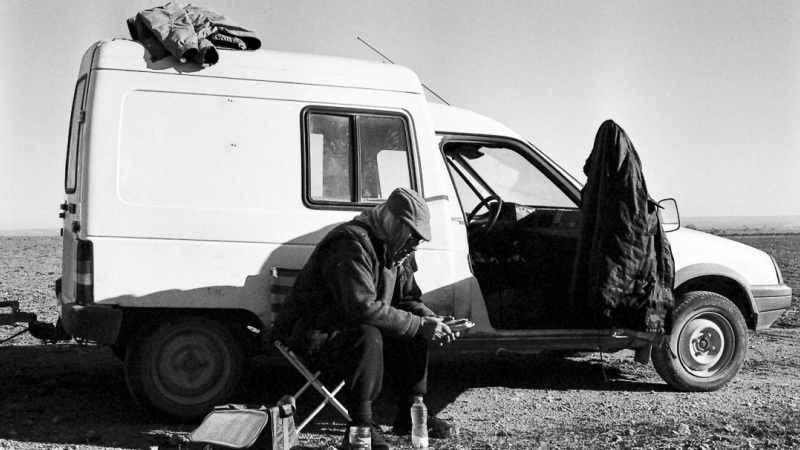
{"x": 706, "y": 344}
{"x": 191, "y": 367}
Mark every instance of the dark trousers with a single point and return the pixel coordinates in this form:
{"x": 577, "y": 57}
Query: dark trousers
{"x": 363, "y": 355}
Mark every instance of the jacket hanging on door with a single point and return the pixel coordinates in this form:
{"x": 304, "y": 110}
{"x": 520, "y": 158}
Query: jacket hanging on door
{"x": 624, "y": 270}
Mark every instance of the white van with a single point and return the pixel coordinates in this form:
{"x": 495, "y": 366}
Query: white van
{"x": 193, "y": 196}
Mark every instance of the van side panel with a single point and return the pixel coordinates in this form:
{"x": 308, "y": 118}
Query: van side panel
{"x": 194, "y": 190}
{"x": 175, "y": 165}
{"x": 194, "y": 151}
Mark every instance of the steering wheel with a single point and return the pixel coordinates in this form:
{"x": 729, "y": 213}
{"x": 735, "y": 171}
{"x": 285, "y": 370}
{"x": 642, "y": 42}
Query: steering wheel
{"x": 495, "y": 214}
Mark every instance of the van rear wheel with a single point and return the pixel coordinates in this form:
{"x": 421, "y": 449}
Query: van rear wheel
{"x": 184, "y": 368}
{"x": 119, "y": 351}
{"x": 707, "y": 345}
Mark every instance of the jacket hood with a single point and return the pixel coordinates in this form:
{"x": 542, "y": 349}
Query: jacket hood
{"x": 409, "y": 207}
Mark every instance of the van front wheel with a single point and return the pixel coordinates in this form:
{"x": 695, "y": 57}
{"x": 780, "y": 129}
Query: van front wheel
{"x": 707, "y": 345}
{"x": 184, "y": 368}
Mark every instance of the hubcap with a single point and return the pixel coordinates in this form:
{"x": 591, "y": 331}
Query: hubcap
{"x": 191, "y": 367}
{"x": 705, "y": 344}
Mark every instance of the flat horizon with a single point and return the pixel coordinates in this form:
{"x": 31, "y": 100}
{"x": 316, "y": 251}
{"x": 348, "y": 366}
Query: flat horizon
{"x": 789, "y": 222}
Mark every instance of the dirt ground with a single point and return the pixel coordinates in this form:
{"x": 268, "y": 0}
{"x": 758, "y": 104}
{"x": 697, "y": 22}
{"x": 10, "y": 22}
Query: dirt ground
{"x": 73, "y": 397}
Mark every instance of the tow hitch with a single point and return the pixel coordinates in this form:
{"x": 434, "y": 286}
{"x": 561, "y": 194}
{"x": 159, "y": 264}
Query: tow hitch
{"x": 15, "y": 316}
{"x": 39, "y": 330}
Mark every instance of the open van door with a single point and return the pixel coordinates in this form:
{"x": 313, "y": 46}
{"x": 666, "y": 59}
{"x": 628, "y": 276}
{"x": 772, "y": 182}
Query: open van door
{"x": 522, "y": 224}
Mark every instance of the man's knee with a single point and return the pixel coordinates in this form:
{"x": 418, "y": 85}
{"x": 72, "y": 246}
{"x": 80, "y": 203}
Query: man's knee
{"x": 346, "y": 348}
{"x": 368, "y": 340}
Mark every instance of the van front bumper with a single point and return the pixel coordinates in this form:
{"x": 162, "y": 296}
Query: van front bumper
{"x": 98, "y": 323}
{"x": 771, "y": 302}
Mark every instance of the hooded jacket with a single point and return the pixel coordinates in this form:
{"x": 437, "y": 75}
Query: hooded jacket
{"x": 349, "y": 281}
{"x": 188, "y": 33}
{"x": 624, "y": 270}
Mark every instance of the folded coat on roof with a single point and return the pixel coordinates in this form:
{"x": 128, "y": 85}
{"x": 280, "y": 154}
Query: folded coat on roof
{"x": 188, "y": 32}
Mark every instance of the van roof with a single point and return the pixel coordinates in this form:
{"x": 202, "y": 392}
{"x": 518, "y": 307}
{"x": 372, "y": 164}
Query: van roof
{"x": 265, "y": 65}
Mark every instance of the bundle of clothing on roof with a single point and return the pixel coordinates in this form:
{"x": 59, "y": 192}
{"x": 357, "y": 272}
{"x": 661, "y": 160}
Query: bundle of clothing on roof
{"x": 189, "y": 33}
{"x": 624, "y": 269}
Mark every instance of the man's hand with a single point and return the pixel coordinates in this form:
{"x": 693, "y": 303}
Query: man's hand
{"x": 434, "y": 329}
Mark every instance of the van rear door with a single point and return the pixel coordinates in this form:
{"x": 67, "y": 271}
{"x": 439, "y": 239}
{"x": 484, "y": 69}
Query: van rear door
{"x": 71, "y": 208}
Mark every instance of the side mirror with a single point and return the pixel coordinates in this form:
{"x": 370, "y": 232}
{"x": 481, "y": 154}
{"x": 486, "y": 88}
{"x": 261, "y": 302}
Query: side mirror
{"x": 670, "y": 218}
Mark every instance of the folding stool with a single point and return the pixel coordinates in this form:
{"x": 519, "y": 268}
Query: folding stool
{"x": 281, "y": 283}
{"x": 313, "y": 380}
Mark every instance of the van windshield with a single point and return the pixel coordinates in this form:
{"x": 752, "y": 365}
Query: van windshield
{"x": 484, "y": 170}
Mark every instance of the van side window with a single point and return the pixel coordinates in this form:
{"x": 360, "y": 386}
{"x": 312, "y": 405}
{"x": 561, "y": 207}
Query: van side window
{"x": 75, "y": 132}
{"x": 331, "y": 151}
{"x": 356, "y": 157}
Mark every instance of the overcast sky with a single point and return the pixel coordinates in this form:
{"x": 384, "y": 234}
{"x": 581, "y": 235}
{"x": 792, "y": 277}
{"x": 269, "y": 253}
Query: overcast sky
{"x": 709, "y": 92}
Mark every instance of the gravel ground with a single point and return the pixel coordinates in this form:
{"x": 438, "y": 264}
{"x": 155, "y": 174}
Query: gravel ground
{"x": 73, "y": 397}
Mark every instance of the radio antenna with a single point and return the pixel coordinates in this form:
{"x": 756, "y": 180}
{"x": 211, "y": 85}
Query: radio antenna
{"x": 386, "y": 58}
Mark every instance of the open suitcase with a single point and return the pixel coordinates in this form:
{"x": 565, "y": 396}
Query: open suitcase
{"x": 249, "y": 427}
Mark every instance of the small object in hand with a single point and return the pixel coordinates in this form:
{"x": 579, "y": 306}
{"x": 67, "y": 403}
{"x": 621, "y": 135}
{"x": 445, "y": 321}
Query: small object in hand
{"x": 457, "y": 325}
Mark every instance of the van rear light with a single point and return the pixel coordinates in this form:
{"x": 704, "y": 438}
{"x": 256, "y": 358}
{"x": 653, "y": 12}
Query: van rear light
{"x": 84, "y": 280}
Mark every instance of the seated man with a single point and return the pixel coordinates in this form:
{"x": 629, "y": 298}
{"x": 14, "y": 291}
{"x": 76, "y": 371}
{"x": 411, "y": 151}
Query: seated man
{"x": 356, "y": 311}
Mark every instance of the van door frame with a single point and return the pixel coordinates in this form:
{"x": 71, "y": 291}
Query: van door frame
{"x": 533, "y": 340}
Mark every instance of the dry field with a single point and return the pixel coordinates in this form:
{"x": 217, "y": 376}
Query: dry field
{"x": 73, "y": 397}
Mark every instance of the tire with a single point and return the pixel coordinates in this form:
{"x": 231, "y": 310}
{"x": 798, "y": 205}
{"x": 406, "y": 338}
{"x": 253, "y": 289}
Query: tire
{"x": 182, "y": 369}
{"x": 119, "y": 351}
{"x": 707, "y": 345}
